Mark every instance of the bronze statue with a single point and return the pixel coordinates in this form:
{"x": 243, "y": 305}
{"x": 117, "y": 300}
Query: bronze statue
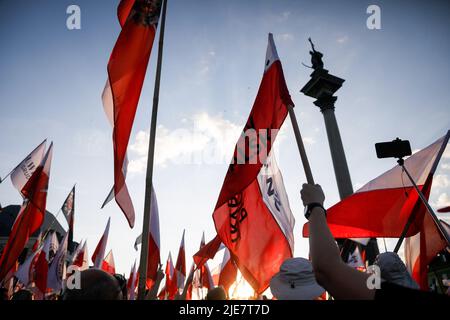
{"x": 316, "y": 57}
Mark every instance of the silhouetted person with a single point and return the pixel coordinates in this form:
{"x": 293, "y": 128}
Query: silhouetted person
{"x": 22, "y": 295}
{"x": 217, "y": 293}
{"x": 96, "y": 285}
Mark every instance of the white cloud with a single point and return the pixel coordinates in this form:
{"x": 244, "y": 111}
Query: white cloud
{"x": 445, "y": 166}
{"x": 446, "y": 154}
{"x": 443, "y": 200}
{"x": 210, "y": 139}
{"x": 342, "y": 39}
{"x": 285, "y": 37}
{"x": 441, "y": 181}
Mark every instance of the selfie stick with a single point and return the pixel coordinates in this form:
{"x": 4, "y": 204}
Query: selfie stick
{"x": 401, "y": 163}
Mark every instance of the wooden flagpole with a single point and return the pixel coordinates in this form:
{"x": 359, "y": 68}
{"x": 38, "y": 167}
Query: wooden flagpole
{"x": 300, "y": 145}
{"x": 149, "y": 175}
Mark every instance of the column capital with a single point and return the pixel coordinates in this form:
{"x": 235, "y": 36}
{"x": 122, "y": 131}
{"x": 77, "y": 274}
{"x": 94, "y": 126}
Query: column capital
{"x": 325, "y": 102}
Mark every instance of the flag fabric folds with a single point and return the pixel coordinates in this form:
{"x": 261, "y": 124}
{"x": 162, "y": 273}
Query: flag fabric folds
{"x": 81, "y": 257}
{"x": 68, "y": 209}
{"x": 243, "y": 216}
{"x": 154, "y": 257}
{"x": 132, "y": 283}
{"x": 126, "y": 72}
{"x": 57, "y": 268}
{"x": 99, "y": 253}
{"x": 228, "y": 271}
{"x": 180, "y": 267}
{"x": 31, "y": 214}
{"x": 382, "y": 207}
{"x": 108, "y": 264}
{"x": 25, "y": 169}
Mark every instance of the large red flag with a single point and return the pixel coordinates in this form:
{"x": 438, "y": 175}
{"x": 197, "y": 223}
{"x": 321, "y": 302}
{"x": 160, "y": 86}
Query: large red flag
{"x": 244, "y": 222}
{"x": 99, "y": 253}
{"x": 31, "y": 215}
{"x": 126, "y": 72}
{"x": 382, "y": 207}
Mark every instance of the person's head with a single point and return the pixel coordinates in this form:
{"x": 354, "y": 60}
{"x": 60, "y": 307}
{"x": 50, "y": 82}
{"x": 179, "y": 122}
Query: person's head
{"x": 295, "y": 281}
{"x": 23, "y": 295}
{"x": 95, "y": 285}
{"x": 217, "y": 293}
{"x": 393, "y": 270}
{"x": 4, "y": 294}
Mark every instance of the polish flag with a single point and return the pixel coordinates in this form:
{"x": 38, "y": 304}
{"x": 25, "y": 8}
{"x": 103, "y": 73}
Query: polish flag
{"x": 108, "y": 264}
{"x": 180, "y": 266}
{"x": 208, "y": 251}
{"x": 24, "y": 170}
{"x": 228, "y": 271}
{"x": 422, "y": 248}
{"x": 171, "y": 284}
{"x": 99, "y": 252}
{"x": 205, "y": 277}
{"x": 41, "y": 272}
{"x": 154, "y": 257}
{"x": 244, "y": 216}
{"x": 382, "y": 207}
{"x": 57, "y": 268}
{"x": 126, "y": 72}
{"x": 25, "y": 272}
{"x": 132, "y": 283}
{"x": 81, "y": 258}
{"x": 31, "y": 214}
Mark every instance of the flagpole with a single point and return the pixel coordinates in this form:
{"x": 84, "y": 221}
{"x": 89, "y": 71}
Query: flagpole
{"x": 300, "y": 145}
{"x": 149, "y": 175}
{"x": 422, "y": 197}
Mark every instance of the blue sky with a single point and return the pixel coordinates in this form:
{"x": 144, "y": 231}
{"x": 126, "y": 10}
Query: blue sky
{"x": 52, "y": 78}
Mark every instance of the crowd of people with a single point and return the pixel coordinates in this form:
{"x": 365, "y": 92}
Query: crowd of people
{"x": 324, "y": 276}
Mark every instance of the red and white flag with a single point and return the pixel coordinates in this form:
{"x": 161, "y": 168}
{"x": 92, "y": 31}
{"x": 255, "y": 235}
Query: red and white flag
{"x": 243, "y": 215}
{"x": 31, "y": 214}
{"x": 25, "y": 273}
{"x": 23, "y": 172}
{"x": 57, "y": 268}
{"x": 41, "y": 272}
{"x": 99, "y": 252}
{"x": 132, "y": 283}
{"x": 171, "y": 284}
{"x": 81, "y": 257}
{"x": 108, "y": 264}
{"x": 422, "y": 248}
{"x": 228, "y": 271}
{"x": 204, "y": 274}
{"x": 382, "y": 207}
{"x": 154, "y": 257}
{"x": 180, "y": 267}
{"x": 126, "y": 72}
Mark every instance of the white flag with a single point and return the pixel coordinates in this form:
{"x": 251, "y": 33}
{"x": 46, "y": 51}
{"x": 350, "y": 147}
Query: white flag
{"x": 57, "y": 269}
{"x": 275, "y": 197}
{"x": 25, "y": 169}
